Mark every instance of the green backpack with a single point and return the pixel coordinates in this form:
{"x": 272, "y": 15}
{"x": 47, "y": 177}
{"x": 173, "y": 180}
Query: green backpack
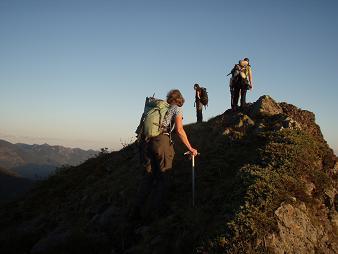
{"x": 152, "y": 118}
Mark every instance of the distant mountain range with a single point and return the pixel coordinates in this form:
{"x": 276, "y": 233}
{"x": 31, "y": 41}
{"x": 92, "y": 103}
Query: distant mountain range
{"x": 38, "y": 161}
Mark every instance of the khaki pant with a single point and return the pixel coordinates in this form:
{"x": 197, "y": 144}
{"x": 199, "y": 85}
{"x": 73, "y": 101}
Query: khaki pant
{"x": 157, "y": 156}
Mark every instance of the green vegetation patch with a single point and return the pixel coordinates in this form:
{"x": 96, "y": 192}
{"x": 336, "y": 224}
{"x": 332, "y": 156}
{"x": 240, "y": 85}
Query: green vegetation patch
{"x": 288, "y": 160}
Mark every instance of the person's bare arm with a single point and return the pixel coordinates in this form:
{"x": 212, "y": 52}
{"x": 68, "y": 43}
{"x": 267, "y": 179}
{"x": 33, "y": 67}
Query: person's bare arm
{"x": 183, "y": 136}
{"x": 250, "y": 79}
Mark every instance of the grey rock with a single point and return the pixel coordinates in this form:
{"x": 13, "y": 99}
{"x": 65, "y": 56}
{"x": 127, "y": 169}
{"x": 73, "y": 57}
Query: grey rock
{"x": 309, "y": 188}
{"x": 243, "y": 121}
{"x": 330, "y": 195}
{"x": 297, "y": 232}
{"x": 226, "y": 131}
{"x": 259, "y": 128}
{"x": 334, "y": 170}
{"x": 289, "y": 123}
{"x": 265, "y": 106}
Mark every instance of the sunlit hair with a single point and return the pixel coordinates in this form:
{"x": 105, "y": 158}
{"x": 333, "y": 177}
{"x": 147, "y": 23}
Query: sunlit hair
{"x": 175, "y": 97}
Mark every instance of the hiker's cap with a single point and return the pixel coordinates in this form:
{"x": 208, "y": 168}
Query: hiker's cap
{"x": 246, "y": 59}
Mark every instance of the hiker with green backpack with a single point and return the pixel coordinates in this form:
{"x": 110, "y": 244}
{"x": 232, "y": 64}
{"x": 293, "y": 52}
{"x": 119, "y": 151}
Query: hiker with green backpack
{"x": 154, "y": 132}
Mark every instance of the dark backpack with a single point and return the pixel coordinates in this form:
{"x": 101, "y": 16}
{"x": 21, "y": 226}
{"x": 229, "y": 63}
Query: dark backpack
{"x": 235, "y": 71}
{"x": 204, "y": 96}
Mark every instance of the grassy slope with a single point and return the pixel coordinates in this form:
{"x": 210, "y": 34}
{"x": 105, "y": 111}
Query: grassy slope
{"x": 11, "y": 185}
{"x": 241, "y": 179}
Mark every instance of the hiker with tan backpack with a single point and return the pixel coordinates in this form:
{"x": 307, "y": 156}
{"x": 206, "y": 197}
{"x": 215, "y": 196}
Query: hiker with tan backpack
{"x": 159, "y": 120}
{"x": 240, "y": 82}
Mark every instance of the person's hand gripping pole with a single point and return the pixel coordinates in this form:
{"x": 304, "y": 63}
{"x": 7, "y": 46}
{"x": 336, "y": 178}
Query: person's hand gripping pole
{"x": 192, "y": 156}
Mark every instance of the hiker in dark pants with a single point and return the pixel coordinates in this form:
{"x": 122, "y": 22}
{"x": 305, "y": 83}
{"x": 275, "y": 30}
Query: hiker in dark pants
{"x": 242, "y": 81}
{"x": 198, "y": 103}
{"x": 157, "y": 155}
{"x": 239, "y": 89}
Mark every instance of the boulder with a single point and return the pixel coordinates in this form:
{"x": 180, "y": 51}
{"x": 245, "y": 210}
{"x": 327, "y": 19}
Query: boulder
{"x": 259, "y": 128}
{"x": 265, "y": 106}
{"x": 289, "y": 123}
{"x": 286, "y": 122}
{"x": 243, "y": 121}
{"x": 297, "y": 232}
{"x": 227, "y": 131}
{"x": 335, "y": 168}
{"x": 237, "y": 125}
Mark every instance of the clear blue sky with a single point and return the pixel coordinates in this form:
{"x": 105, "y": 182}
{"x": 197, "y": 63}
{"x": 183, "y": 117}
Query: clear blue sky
{"x": 76, "y": 73}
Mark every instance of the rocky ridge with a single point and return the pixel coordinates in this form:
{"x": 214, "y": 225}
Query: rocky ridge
{"x": 266, "y": 183}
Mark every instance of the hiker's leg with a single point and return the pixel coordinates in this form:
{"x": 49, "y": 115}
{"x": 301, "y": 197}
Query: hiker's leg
{"x": 146, "y": 183}
{"x": 243, "y": 97}
{"x": 164, "y": 152}
{"x": 199, "y": 108}
{"x": 145, "y": 157}
{"x": 197, "y": 111}
{"x": 144, "y": 189}
{"x": 232, "y": 97}
{"x": 161, "y": 194}
{"x": 235, "y": 97}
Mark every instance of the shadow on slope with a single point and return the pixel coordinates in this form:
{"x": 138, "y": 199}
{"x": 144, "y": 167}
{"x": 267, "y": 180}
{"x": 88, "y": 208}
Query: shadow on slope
{"x": 12, "y": 185}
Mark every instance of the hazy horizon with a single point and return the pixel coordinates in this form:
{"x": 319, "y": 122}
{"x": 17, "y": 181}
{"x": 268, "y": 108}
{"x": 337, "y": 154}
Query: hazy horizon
{"x": 76, "y": 73}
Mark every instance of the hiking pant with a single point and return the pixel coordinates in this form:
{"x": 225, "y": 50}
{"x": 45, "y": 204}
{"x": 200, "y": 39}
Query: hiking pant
{"x": 199, "y": 108}
{"x": 232, "y": 96}
{"x": 239, "y": 90}
{"x": 157, "y": 156}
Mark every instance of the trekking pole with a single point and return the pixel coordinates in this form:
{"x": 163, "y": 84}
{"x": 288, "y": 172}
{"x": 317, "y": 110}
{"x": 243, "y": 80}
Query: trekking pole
{"x": 192, "y": 175}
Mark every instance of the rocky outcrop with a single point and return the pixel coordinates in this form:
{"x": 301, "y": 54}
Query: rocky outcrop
{"x": 305, "y": 118}
{"x": 265, "y": 106}
{"x": 297, "y": 232}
